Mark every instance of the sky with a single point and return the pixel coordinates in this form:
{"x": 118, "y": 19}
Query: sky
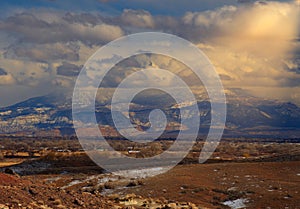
{"x": 45, "y": 43}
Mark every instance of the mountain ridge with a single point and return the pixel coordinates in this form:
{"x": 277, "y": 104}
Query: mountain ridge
{"x": 246, "y": 116}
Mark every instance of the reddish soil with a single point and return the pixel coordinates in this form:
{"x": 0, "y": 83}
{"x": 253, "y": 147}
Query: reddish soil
{"x": 262, "y": 184}
{"x": 18, "y": 192}
{"x": 33, "y": 192}
{"x": 273, "y": 185}
{"x": 6, "y": 180}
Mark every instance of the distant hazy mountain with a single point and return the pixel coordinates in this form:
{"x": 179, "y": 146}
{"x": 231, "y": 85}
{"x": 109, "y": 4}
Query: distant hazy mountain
{"x": 247, "y": 116}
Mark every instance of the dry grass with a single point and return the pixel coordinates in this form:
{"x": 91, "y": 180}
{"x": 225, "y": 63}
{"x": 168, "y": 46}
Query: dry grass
{"x": 54, "y": 156}
{"x": 6, "y": 163}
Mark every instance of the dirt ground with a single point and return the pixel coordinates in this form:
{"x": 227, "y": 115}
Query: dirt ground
{"x": 262, "y": 185}
{"x": 239, "y": 185}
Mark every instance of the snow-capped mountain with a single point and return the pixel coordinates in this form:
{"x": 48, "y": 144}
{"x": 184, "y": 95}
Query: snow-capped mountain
{"x": 246, "y": 115}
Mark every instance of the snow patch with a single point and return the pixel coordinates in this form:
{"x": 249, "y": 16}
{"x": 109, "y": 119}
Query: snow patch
{"x": 266, "y": 114}
{"x": 142, "y": 173}
{"x": 72, "y": 183}
{"x": 236, "y": 204}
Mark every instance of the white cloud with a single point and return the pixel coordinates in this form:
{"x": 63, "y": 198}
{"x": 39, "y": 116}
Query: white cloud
{"x": 7, "y": 79}
{"x": 250, "y": 45}
{"x": 265, "y": 26}
{"x": 209, "y": 19}
{"x": 26, "y": 72}
{"x": 101, "y": 32}
{"x": 138, "y": 18}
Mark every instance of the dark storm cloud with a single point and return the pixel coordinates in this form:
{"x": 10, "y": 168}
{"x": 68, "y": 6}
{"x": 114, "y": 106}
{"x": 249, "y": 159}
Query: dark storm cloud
{"x": 42, "y": 52}
{"x": 68, "y": 69}
{"x": 31, "y": 29}
{"x": 83, "y": 18}
{"x": 2, "y": 72}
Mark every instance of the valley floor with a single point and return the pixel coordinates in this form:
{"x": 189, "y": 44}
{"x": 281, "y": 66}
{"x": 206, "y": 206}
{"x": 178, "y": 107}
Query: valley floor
{"x": 221, "y": 185}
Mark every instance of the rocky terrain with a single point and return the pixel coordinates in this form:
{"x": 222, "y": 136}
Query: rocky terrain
{"x": 57, "y": 192}
{"x": 239, "y": 174}
{"x": 225, "y": 185}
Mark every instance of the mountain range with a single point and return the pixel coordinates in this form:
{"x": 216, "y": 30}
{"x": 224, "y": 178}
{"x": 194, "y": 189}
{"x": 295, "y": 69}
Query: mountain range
{"x": 247, "y": 116}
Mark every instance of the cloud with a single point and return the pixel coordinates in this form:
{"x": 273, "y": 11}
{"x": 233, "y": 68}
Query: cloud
{"x": 99, "y": 33}
{"x": 172, "y": 7}
{"x": 43, "y": 52}
{"x": 210, "y": 19}
{"x": 31, "y": 29}
{"x": 26, "y": 72}
{"x": 136, "y": 63}
{"x": 63, "y": 82}
{"x": 83, "y": 18}
{"x": 2, "y": 72}
{"x": 68, "y": 69}
{"x": 249, "y": 44}
{"x": 138, "y": 18}
{"x": 258, "y": 28}
{"x": 7, "y": 79}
